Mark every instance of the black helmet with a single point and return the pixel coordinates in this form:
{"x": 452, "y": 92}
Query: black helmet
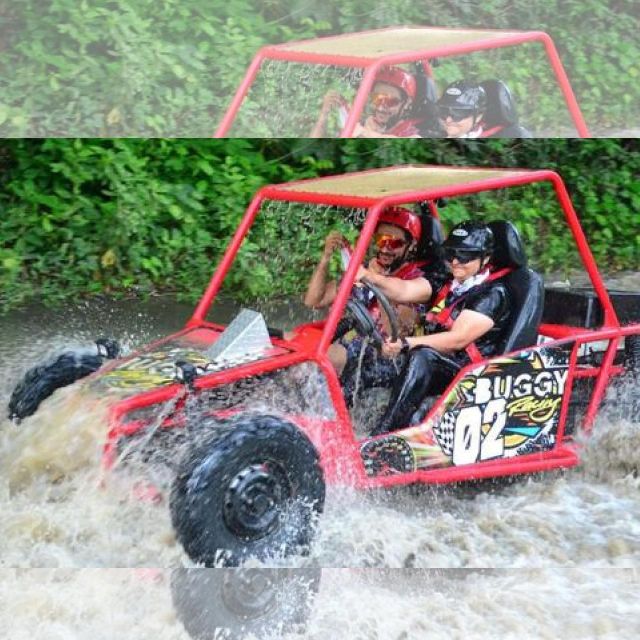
{"x": 469, "y": 240}
{"x": 462, "y": 96}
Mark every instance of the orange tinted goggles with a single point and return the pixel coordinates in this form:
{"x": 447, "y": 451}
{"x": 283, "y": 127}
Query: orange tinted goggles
{"x": 382, "y": 100}
{"x": 386, "y": 241}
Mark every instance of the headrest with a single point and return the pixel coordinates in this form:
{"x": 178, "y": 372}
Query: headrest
{"x": 430, "y": 90}
{"x": 432, "y": 237}
{"x": 432, "y": 230}
{"x": 501, "y": 108}
{"x": 509, "y": 250}
{"x": 424, "y": 106}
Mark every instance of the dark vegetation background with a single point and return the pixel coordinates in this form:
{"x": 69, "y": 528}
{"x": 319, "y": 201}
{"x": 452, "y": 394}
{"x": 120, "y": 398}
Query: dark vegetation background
{"x": 82, "y": 217}
{"x": 169, "y": 67}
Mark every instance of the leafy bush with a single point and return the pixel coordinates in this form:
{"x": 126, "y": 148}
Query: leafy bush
{"x": 82, "y": 217}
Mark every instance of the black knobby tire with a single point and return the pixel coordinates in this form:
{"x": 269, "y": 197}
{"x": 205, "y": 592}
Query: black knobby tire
{"x": 253, "y": 492}
{"x": 41, "y": 381}
{"x": 238, "y": 602}
{"x": 632, "y": 365}
{"x": 632, "y": 355}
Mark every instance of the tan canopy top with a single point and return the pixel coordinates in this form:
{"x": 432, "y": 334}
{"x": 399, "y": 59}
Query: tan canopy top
{"x": 397, "y": 40}
{"x": 394, "y": 181}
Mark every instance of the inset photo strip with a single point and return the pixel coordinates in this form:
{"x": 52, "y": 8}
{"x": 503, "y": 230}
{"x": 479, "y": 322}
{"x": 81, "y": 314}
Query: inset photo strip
{"x": 371, "y": 68}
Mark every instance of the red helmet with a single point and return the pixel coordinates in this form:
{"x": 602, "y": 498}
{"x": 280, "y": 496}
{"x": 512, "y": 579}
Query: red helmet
{"x": 397, "y": 77}
{"x": 403, "y": 218}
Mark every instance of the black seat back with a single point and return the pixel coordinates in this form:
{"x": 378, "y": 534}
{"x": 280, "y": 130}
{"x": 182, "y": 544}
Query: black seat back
{"x": 524, "y": 286}
{"x": 501, "y": 108}
{"x": 432, "y": 236}
{"x": 426, "y": 93}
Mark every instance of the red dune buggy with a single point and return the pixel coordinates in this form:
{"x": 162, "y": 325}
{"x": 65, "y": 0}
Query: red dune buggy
{"x": 250, "y": 422}
{"x": 279, "y": 89}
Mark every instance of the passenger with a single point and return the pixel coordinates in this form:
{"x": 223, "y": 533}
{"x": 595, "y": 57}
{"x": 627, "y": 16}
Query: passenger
{"x": 460, "y": 110}
{"x": 470, "y": 110}
{"x": 470, "y": 313}
{"x": 390, "y": 102}
{"x": 396, "y": 237}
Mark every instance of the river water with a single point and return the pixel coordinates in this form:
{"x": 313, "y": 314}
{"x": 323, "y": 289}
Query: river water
{"x": 544, "y": 557}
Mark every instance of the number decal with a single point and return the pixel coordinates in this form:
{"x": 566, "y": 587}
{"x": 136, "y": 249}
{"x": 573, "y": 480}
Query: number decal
{"x": 468, "y": 443}
{"x": 466, "y": 440}
{"x": 495, "y": 414}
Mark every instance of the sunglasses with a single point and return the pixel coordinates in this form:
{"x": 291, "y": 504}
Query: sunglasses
{"x": 386, "y": 241}
{"x": 383, "y": 100}
{"x": 463, "y": 256}
{"x": 455, "y": 113}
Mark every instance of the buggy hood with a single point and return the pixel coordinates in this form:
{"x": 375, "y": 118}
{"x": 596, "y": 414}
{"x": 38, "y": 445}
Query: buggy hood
{"x": 210, "y": 349}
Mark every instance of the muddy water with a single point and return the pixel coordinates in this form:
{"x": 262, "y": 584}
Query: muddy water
{"x": 563, "y": 549}
{"x": 346, "y": 604}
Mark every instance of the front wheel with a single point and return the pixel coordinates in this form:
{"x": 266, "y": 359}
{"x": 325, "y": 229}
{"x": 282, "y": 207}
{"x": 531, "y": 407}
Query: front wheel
{"x": 255, "y": 492}
{"x": 234, "y": 603}
{"x": 41, "y": 381}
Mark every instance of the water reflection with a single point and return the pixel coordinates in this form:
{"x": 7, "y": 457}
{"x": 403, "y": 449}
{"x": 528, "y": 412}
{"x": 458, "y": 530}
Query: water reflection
{"x": 316, "y": 604}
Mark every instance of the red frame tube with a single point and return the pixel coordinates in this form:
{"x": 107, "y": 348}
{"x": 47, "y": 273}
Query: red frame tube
{"x": 610, "y": 316}
{"x": 601, "y": 384}
{"x": 284, "y": 52}
{"x": 207, "y": 299}
{"x": 239, "y": 96}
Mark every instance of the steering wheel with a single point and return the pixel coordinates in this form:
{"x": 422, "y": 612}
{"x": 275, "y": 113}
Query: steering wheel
{"x": 358, "y": 317}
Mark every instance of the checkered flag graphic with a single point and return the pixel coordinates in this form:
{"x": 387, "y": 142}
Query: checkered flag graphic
{"x": 444, "y": 431}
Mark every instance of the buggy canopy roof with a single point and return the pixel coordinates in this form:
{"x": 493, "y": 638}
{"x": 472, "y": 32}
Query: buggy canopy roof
{"x": 380, "y": 43}
{"x": 409, "y": 182}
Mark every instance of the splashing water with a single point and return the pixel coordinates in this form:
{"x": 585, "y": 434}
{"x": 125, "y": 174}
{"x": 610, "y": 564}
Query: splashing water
{"x": 58, "y": 513}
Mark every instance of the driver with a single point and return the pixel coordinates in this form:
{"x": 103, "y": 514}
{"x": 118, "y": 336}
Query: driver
{"x": 470, "y": 313}
{"x": 391, "y": 98}
{"x": 397, "y": 234}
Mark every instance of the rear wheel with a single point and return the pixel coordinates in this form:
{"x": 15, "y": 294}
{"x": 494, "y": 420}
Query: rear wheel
{"x": 632, "y": 364}
{"x": 253, "y": 492}
{"x": 632, "y": 354}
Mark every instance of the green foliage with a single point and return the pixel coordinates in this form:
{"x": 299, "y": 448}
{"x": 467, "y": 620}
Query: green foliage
{"x": 118, "y": 67}
{"x": 169, "y": 67}
{"x": 82, "y": 217}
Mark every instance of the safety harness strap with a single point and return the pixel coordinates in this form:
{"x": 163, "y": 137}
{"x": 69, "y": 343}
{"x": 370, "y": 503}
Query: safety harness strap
{"x": 487, "y": 133}
{"x": 443, "y": 316}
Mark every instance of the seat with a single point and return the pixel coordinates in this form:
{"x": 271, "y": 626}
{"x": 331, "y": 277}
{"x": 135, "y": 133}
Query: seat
{"x": 501, "y": 108}
{"x": 501, "y": 111}
{"x": 426, "y": 93}
{"x": 525, "y": 288}
{"x": 432, "y": 236}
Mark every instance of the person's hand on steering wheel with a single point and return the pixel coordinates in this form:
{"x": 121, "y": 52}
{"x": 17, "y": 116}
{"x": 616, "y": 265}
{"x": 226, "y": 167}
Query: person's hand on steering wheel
{"x": 392, "y": 349}
{"x": 359, "y": 317}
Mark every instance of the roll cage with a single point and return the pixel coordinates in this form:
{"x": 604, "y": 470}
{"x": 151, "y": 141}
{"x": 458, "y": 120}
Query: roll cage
{"x": 344, "y": 455}
{"x": 372, "y": 50}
